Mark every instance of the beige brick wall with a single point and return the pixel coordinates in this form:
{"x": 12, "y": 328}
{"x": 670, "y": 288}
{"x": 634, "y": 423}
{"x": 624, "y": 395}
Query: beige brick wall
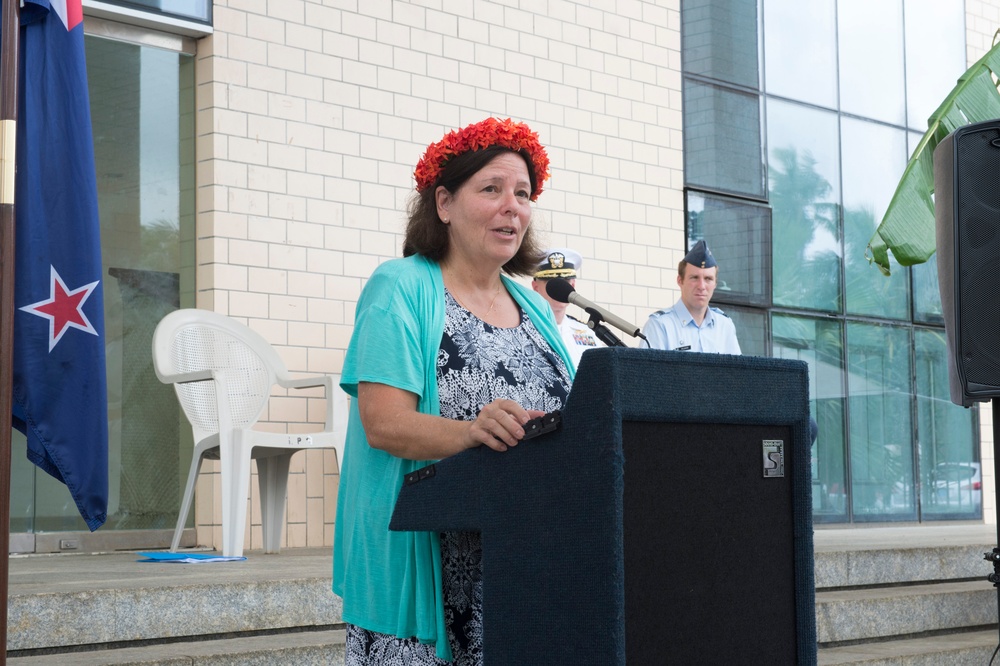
{"x": 982, "y": 20}
{"x": 311, "y": 116}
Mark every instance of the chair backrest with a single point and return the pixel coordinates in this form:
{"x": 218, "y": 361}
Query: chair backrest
{"x": 192, "y": 340}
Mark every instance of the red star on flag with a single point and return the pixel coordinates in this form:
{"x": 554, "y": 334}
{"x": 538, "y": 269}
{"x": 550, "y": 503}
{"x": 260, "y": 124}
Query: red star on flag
{"x": 63, "y": 309}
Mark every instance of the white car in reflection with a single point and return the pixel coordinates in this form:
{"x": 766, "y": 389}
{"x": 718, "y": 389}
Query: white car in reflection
{"x": 958, "y": 485}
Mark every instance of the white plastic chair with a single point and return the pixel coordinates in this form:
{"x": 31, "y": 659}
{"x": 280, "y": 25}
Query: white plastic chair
{"x": 223, "y": 373}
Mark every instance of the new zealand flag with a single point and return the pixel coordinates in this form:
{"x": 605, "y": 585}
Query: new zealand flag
{"x": 60, "y": 388}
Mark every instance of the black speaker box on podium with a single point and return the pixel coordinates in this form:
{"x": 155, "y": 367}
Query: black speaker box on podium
{"x": 667, "y": 521}
{"x": 967, "y": 213}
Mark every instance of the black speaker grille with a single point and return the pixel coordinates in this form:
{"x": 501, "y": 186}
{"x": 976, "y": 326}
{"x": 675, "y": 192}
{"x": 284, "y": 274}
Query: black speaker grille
{"x": 978, "y": 206}
{"x": 709, "y": 545}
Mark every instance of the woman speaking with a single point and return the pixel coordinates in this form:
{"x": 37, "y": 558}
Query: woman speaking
{"x": 447, "y": 354}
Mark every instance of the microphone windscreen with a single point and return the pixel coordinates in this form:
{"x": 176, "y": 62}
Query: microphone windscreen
{"x": 559, "y": 289}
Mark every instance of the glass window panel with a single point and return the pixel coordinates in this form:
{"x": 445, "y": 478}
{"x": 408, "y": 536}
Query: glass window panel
{"x": 927, "y": 292}
{"x": 751, "y": 329}
{"x": 804, "y": 185}
{"x": 874, "y": 157}
{"x": 880, "y": 422}
{"x": 950, "y": 469}
{"x": 198, "y": 10}
{"x": 720, "y": 40}
{"x": 142, "y": 109}
{"x": 935, "y": 55}
{"x": 800, "y": 50}
{"x": 739, "y": 235}
{"x": 871, "y": 59}
{"x": 143, "y": 114}
{"x": 722, "y": 142}
{"x": 22, "y": 486}
{"x": 819, "y": 343}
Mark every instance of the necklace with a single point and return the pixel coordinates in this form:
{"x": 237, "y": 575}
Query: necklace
{"x": 492, "y": 303}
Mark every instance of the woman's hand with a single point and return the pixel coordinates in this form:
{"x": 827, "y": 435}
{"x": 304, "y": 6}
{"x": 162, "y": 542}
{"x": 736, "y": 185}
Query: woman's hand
{"x": 393, "y": 424}
{"x": 500, "y": 424}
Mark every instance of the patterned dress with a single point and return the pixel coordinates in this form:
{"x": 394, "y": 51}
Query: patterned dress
{"x": 477, "y": 364}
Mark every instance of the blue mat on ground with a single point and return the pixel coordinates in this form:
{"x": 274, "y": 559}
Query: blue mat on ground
{"x": 186, "y": 558}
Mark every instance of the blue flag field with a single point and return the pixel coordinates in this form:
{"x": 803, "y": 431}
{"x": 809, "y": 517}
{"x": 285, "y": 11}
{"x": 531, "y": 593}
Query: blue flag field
{"x": 60, "y": 387}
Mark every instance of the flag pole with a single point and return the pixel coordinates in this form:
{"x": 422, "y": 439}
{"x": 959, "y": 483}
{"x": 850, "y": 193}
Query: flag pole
{"x": 9, "y": 35}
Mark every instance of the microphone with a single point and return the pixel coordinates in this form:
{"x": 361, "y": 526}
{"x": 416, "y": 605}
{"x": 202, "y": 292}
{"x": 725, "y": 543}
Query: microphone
{"x": 561, "y": 290}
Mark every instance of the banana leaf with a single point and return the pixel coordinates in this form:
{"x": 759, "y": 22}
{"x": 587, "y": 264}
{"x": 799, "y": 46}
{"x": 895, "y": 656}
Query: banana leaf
{"x": 907, "y": 229}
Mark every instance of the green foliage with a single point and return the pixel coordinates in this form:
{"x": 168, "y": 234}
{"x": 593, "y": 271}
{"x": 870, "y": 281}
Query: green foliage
{"x": 908, "y": 225}
{"x": 161, "y": 246}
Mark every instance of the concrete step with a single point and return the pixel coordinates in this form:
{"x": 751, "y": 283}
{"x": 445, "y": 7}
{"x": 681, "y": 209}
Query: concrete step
{"x": 945, "y": 650}
{"x": 892, "y": 555}
{"x": 311, "y": 648}
{"x": 60, "y": 601}
{"x": 890, "y": 567}
{"x": 886, "y": 612}
{"x": 278, "y": 609}
{"x": 905, "y": 595}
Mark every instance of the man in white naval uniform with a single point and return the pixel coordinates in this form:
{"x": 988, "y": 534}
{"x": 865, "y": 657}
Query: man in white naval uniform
{"x": 692, "y": 324}
{"x": 565, "y": 263}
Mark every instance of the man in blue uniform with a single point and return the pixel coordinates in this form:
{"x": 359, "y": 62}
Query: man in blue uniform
{"x": 565, "y": 263}
{"x": 692, "y": 324}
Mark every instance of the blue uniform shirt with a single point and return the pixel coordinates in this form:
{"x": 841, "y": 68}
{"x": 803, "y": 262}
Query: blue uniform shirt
{"x": 674, "y": 329}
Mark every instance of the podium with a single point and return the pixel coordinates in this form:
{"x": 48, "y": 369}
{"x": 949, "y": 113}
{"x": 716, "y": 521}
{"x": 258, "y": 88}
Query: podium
{"x": 667, "y": 521}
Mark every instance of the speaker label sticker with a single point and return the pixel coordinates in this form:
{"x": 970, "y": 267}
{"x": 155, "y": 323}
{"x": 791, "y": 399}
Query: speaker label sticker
{"x": 774, "y": 458}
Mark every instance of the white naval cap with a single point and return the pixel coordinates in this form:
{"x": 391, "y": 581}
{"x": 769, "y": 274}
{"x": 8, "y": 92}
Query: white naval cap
{"x": 559, "y": 262}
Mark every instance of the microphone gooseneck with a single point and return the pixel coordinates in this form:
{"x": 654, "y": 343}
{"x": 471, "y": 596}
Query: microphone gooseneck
{"x": 561, "y": 290}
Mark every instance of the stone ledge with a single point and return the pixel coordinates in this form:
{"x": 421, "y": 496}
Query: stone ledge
{"x": 853, "y": 615}
{"x": 319, "y": 648}
{"x": 905, "y": 565}
{"x": 948, "y": 650}
{"x": 113, "y": 616}
{"x": 68, "y": 600}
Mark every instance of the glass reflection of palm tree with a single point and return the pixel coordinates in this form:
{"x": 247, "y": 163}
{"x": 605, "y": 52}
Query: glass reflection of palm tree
{"x": 805, "y": 235}
{"x": 868, "y": 291}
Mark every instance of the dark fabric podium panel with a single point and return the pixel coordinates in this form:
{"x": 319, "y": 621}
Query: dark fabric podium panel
{"x": 639, "y": 530}
{"x": 709, "y": 547}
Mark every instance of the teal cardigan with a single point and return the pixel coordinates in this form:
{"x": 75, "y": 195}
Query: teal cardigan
{"x": 391, "y": 581}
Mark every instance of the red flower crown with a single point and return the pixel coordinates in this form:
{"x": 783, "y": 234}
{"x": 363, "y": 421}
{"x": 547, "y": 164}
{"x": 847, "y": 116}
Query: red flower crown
{"x": 485, "y": 133}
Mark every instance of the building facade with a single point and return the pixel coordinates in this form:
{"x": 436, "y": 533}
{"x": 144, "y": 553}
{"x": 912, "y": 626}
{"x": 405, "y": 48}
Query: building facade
{"x": 798, "y": 121}
{"x": 255, "y": 158}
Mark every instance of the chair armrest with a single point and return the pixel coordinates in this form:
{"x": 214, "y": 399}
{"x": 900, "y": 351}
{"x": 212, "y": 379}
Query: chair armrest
{"x": 308, "y": 382}
{"x": 336, "y": 399}
{"x": 186, "y": 377}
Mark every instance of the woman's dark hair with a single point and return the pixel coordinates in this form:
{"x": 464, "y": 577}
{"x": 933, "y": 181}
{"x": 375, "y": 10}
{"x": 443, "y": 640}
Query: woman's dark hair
{"x": 427, "y": 235}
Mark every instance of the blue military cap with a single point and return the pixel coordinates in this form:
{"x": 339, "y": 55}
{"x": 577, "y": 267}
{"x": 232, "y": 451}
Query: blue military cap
{"x": 700, "y": 256}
